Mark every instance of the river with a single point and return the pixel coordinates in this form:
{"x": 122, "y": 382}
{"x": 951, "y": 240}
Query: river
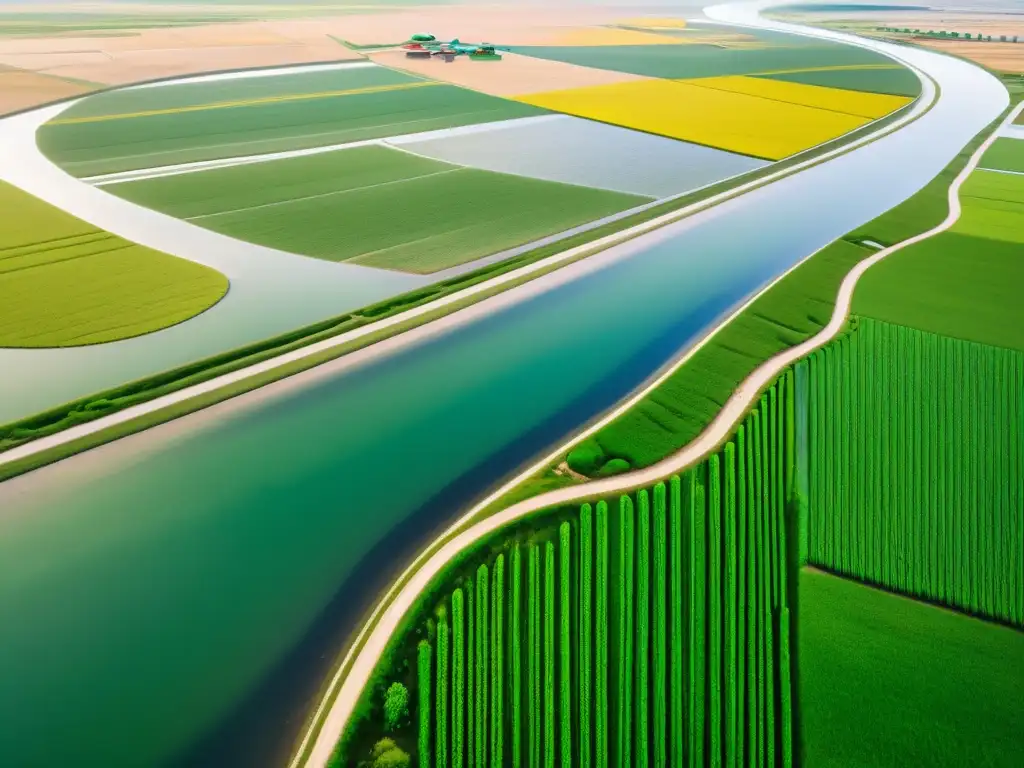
{"x": 177, "y": 597}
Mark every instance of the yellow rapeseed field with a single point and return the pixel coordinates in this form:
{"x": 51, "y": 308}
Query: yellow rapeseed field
{"x": 762, "y": 118}
{"x": 857, "y": 103}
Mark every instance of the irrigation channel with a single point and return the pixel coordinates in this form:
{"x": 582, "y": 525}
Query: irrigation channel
{"x": 178, "y": 597}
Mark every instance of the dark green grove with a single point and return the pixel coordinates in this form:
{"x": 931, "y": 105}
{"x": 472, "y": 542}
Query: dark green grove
{"x": 916, "y": 467}
{"x": 650, "y": 631}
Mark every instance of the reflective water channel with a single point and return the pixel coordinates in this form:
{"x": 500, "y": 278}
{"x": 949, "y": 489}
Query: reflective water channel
{"x": 177, "y": 597}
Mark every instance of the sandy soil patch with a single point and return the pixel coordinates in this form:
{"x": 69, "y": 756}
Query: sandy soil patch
{"x": 42, "y": 62}
{"x": 514, "y": 75}
{"x": 502, "y": 26}
{"x": 160, "y": 53}
{"x": 20, "y": 90}
{"x": 985, "y": 23}
{"x": 1005, "y": 57}
{"x": 139, "y": 66}
{"x": 610, "y": 36}
{"x": 648, "y": 23}
{"x": 168, "y": 52}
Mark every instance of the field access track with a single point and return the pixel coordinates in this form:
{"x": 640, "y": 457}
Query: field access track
{"x": 375, "y": 206}
{"x": 144, "y": 127}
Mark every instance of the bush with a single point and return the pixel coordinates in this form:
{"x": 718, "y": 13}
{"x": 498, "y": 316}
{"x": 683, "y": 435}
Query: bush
{"x": 396, "y": 707}
{"x": 614, "y": 467}
{"x": 382, "y": 746}
{"x": 391, "y": 758}
{"x": 586, "y": 458}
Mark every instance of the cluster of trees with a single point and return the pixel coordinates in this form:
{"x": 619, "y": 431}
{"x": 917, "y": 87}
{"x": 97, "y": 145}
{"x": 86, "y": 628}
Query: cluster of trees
{"x": 654, "y": 631}
{"x": 949, "y": 35}
{"x": 916, "y": 455}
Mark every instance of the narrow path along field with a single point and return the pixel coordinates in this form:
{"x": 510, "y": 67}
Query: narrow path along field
{"x": 355, "y": 670}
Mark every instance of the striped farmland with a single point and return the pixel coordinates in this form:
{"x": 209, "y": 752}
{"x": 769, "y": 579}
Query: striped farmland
{"x": 652, "y": 631}
{"x": 916, "y": 454}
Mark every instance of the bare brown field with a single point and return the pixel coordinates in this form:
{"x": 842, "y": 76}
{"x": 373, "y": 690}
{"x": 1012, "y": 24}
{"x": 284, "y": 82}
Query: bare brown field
{"x": 501, "y": 26}
{"x": 994, "y": 24}
{"x": 514, "y": 75}
{"x": 21, "y": 90}
{"x": 151, "y": 54}
{"x": 1002, "y": 57}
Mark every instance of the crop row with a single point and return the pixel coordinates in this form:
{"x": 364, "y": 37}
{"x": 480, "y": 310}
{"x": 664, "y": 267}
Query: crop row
{"x": 653, "y": 631}
{"x": 916, "y": 466}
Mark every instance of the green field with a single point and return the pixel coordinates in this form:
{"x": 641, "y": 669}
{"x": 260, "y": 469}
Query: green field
{"x": 963, "y": 283}
{"x": 791, "y": 312}
{"x": 150, "y": 127}
{"x": 687, "y": 61}
{"x": 1005, "y": 154}
{"x": 887, "y": 682}
{"x": 375, "y": 206}
{"x": 896, "y": 81}
{"x": 651, "y": 631}
{"x": 65, "y": 283}
{"x": 916, "y": 466}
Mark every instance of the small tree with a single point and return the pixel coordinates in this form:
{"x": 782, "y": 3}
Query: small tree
{"x": 382, "y": 746}
{"x": 387, "y": 754}
{"x": 396, "y": 707}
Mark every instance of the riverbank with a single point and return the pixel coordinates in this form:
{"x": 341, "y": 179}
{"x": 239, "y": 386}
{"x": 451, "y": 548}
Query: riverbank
{"x": 358, "y": 665}
{"x": 80, "y": 425}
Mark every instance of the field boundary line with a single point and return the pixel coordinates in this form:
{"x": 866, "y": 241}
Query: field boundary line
{"x": 256, "y": 72}
{"x": 915, "y": 110}
{"x": 177, "y": 169}
{"x": 457, "y": 538}
{"x": 258, "y": 102}
{"x": 333, "y": 193}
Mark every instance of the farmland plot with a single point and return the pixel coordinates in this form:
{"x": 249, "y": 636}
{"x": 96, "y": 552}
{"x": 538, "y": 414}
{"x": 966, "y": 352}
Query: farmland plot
{"x": 963, "y": 283}
{"x": 65, "y": 283}
{"x": 892, "y": 79}
{"x": 773, "y": 52}
{"x": 150, "y": 127}
{"x": 890, "y": 682}
{"x": 916, "y": 448}
{"x": 750, "y": 116}
{"x": 1006, "y": 154}
{"x": 704, "y": 554}
{"x": 575, "y": 151}
{"x": 375, "y": 206}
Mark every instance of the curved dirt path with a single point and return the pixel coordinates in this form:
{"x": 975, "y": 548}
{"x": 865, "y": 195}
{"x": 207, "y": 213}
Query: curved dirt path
{"x": 374, "y": 637}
